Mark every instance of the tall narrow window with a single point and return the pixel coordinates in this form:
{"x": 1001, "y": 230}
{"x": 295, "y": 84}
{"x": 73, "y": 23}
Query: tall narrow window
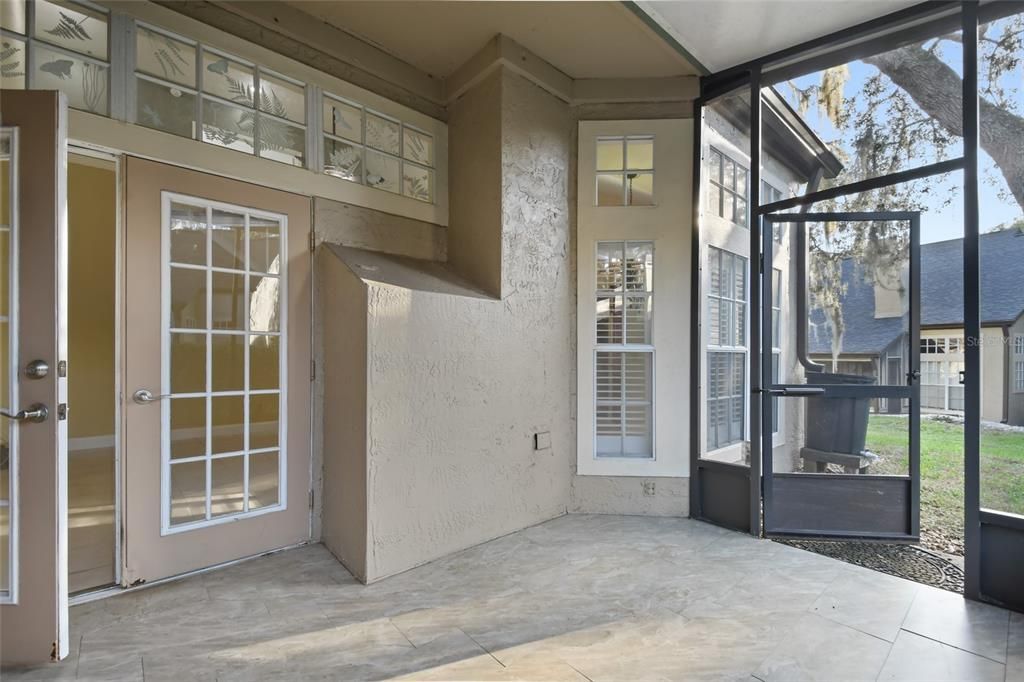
{"x": 624, "y": 356}
{"x": 625, "y": 170}
{"x": 1018, "y": 364}
{"x": 727, "y": 352}
{"x": 727, "y": 189}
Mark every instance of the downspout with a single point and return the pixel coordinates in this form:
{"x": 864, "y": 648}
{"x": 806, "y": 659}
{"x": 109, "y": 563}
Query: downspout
{"x": 801, "y": 282}
{"x": 1007, "y": 373}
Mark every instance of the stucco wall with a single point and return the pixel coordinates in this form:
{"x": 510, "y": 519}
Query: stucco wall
{"x": 475, "y": 213}
{"x": 343, "y": 416}
{"x": 459, "y": 384}
{"x": 336, "y": 222}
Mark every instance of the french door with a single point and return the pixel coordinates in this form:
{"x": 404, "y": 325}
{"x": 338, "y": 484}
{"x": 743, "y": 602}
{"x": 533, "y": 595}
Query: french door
{"x": 33, "y": 384}
{"x": 836, "y": 461}
{"x": 217, "y": 370}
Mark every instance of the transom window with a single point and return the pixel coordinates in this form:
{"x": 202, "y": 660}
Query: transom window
{"x": 363, "y": 146}
{"x": 726, "y": 356}
{"x": 936, "y": 345}
{"x": 193, "y": 90}
{"x": 224, "y": 362}
{"x": 727, "y": 188}
{"x": 67, "y": 46}
{"x": 624, "y": 355}
{"x": 625, "y": 170}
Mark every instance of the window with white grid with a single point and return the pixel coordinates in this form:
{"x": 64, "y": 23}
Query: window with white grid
{"x": 727, "y": 188}
{"x": 1018, "y": 364}
{"x": 363, "y": 146}
{"x": 726, "y": 350}
{"x": 193, "y": 90}
{"x": 624, "y": 353}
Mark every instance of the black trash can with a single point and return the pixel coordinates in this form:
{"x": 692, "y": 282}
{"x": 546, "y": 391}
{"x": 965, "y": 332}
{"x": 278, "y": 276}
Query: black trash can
{"x": 837, "y": 424}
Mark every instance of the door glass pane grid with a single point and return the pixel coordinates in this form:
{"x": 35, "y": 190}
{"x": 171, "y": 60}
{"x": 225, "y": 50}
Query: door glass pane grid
{"x": 368, "y": 148}
{"x": 210, "y": 481}
{"x": 192, "y": 90}
{"x": 59, "y": 45}
{"x": 8, "y": 361}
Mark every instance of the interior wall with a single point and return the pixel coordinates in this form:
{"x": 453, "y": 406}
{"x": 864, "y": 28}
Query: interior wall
{"x": 475, "y": 184}
{"x": 342, "y": 309}
{"x": 460, "y": 386}
{"x": 92, "y": 392}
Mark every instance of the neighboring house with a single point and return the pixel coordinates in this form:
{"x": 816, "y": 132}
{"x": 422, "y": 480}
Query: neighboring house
{"x": 875, "y": 341}
{"x": 793, "y": 156}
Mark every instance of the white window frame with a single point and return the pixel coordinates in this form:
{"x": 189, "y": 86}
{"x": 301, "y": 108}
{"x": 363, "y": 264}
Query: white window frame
{"x": 165, "y": 364}
{"x": 667, "y": 225}
{"x": 1018, "y": 363}
{"x": 625, "y": 348}
{"x": 10, "y": 596}
{"x": 109, "y": 134}
{"x": 626, "y": 169}
{"x": 718, "y": 180}
{"x": 778, "y": 427}
{"x": 712, "y": 346}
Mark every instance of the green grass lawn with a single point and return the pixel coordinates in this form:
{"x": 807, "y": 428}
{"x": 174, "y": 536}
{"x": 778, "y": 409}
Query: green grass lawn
{"x": 942, "y": 472}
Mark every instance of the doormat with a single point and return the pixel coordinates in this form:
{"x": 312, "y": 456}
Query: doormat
{"x": 903, "y": 561}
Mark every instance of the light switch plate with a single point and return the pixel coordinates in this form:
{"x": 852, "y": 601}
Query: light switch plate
{"x": 542, "y": 440}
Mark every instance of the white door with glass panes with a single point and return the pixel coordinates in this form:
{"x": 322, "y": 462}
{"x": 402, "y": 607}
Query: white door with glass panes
{"x": 633, "y": 298}
{"x": 217, "y": 355}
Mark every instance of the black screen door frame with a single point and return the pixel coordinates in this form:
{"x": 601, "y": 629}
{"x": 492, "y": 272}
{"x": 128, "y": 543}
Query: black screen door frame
{"x": 863, "y": 506}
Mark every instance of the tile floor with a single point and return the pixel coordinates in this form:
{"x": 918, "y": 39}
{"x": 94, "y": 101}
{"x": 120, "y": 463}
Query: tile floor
{"x": 577, "y": 598}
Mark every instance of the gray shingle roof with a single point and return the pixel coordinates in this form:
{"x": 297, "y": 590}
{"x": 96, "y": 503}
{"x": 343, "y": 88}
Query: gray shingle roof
{"x": 942, "y": 285}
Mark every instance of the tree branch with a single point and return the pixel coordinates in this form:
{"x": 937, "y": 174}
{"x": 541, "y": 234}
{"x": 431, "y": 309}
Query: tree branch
{"x": 937, "y": 89}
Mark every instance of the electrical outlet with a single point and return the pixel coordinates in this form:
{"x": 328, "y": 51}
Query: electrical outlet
{"x": 649, "y": 488}
{"x": 542, "y": 440}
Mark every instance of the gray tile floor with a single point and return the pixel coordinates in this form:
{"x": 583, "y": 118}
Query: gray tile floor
{"x": 578, "y": 598}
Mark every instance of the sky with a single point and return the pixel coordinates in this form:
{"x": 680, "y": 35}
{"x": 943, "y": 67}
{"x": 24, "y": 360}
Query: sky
{"x": 939, "y": 222}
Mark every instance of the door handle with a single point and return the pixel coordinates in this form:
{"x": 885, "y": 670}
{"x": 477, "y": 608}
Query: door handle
{"x": 144, "y": 396}
{"x": 36, "y": 413}
{"x": 796, "y": 392}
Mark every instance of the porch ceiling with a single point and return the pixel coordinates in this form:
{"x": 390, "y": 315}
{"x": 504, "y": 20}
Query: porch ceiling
{"x": 581, "y": 39}
{"x": 723, "y": 33}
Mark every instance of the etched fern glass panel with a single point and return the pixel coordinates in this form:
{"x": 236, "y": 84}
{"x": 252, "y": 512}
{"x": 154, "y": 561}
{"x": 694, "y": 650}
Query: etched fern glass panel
{"x": 282, "y": 98}
{"x": 343, "y": 160}
{"x": 12, "y": 63}
{"x": 228, "y": 79}
{"x": 83, "y": 81}
{"x": 160, "y": 55}
{"x": 383, "y": 134}
{"x": 282, "y": 142}
{"x": 417, "y": 146}
{"x": 73, "y": 27}
{"x": 417, "y": 182}
{"x": 228, "y": 126}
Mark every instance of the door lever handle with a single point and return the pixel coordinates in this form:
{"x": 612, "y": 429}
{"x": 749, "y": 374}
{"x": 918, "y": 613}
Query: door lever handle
{"x": 796, "y": 392}
{"x": 144, "y": 396}
{"x": 36, "y": 413}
